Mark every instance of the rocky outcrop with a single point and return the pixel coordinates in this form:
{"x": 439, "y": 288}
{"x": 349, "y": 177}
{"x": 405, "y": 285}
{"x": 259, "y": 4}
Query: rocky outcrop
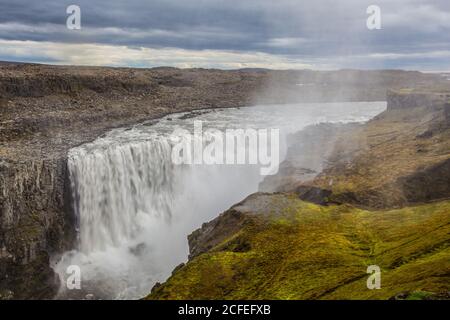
{"x": 410, "y": 99}
{"x": 38, "y": 86}
{"x": 213, "y": 233}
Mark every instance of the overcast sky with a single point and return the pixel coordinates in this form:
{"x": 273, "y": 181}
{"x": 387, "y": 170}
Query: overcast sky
{"x": 278, "y": 34}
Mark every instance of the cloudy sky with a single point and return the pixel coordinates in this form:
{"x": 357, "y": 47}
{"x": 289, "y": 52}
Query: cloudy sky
{"x": 229, "y": 34}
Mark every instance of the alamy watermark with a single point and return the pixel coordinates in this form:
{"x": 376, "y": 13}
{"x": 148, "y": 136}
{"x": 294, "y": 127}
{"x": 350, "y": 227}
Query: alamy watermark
{"x": 73, "y": 281}
{"x": 374, "y": 280}
{"x": 73, "y": 21}
{"x": 231, "y": 147}
{"x": 374, "y": 20}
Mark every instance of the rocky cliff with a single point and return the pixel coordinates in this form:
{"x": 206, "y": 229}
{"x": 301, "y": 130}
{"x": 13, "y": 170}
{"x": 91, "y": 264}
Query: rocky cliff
{"x": 35, "y": 221}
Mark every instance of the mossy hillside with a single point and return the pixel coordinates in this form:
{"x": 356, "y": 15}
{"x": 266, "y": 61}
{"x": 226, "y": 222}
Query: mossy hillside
{"x": 298, "y": 250}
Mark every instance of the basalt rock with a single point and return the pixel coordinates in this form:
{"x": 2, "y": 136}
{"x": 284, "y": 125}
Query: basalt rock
{"x": 36, "y": 221}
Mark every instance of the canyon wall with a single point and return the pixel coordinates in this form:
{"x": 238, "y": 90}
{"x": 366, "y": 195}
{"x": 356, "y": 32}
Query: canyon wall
{"x": 46, "y": 110}
{"x": 35, "y": 221}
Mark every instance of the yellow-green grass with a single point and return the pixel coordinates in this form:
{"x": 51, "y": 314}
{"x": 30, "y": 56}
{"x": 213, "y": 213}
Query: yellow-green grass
{"x": 300, "y": 250}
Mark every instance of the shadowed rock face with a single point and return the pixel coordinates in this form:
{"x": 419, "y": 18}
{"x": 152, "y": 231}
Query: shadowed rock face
{"x": 401, "y": 100}
{"x": 46, "y": 110}
{"x": 35, "y": 221}
{"x": 213, "y": 233}
{"x": 426, "y": 185}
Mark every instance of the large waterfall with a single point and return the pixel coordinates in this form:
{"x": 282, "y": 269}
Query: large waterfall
{"x": 135, "y": 207}
{"x": 117, "y": 187}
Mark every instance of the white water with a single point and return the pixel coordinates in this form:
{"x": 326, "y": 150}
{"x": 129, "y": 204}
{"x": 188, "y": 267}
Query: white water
{"x": 135, "y": 208}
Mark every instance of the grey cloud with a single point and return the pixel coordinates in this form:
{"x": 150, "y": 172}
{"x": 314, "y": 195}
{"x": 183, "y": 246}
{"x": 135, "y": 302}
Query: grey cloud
{"x": 306, "y": 29}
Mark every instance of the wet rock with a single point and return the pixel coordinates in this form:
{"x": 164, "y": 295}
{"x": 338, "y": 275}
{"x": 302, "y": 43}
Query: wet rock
{"x": 400, "y": 296}
{"x": 139, "y": 249}
{"x": 155, "y": 287}
{"x": 313, "y": 194}
{"x": 178, "y": 267}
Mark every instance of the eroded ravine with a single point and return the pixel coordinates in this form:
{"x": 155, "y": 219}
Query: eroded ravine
{"x": 135, "y": 207}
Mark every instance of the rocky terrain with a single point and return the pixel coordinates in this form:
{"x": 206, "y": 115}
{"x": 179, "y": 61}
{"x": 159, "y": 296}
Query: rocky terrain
{"x": 345, "y": 198}
{"x": 46, "y": 110}
{"x": 399, "y": 158}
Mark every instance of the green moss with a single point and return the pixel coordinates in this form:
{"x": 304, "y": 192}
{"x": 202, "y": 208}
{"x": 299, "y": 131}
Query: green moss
{"x": 306, "y": 251}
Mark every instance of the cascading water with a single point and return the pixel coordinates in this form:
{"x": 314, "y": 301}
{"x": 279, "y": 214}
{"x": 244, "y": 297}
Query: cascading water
{"x": 116, "y": 187}
{"x": 135, "y": 207}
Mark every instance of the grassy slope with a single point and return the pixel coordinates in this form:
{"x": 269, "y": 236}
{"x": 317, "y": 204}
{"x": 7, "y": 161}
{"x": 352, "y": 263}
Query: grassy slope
{"x": 306, "y": 251}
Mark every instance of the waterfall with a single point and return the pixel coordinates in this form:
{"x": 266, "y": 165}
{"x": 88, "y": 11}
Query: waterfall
{"x": 135, "y": 208}
{"x": 116, "y": 187}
